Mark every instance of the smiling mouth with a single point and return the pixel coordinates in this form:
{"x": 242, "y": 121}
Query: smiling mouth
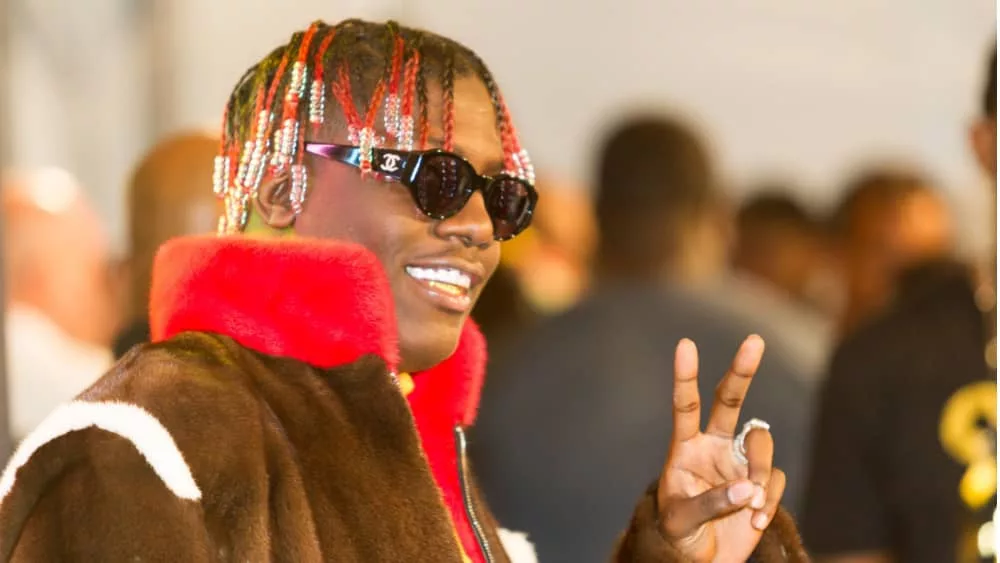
{"x": 447, "y": 287}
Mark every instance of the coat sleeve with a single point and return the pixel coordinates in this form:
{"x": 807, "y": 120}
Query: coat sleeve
{"x": 91, "y": 495}
{"x": 644, "y": 543}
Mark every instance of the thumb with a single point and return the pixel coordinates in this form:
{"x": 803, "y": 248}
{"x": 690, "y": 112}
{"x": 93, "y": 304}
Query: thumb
{"x": 683, "y": 517}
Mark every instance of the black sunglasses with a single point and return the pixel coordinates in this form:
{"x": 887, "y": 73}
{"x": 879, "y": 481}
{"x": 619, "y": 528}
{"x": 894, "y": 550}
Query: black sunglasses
{"x": 441, "y": 183}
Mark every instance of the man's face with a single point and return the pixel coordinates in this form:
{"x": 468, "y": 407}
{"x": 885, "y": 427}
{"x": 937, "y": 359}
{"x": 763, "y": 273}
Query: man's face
{"x": 383, "y": 217}
{"x": 887, "y": 239}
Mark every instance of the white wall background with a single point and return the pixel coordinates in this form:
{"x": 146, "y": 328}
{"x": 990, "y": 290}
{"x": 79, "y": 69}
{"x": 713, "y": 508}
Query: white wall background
{"x": 800, "y": 88}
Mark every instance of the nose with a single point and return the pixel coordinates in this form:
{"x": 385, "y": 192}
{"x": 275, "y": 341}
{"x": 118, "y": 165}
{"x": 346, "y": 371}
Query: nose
{"x": 471, "y": 225}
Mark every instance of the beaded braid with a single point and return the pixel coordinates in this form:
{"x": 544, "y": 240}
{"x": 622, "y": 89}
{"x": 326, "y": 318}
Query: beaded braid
{"x": 395, "y": 45}
{"x": 259, "y": 138}
{"x": 317, "y": 94}
{"x": 516, "y": 159}
{"x": 523, "y": 168}
{"x": 425, "y": 124}
{"x": 229, "y": 154}
{"x": 448, "y": 91}
{"x": 289, "y": 149}
{"x": 410, "y": 73}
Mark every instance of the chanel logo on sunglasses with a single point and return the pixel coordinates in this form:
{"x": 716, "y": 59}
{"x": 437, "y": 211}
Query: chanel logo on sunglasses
{"x": 390, "y": 162}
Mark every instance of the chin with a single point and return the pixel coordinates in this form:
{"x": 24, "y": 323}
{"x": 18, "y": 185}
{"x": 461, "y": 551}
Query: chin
{"x": 424, "y": 345}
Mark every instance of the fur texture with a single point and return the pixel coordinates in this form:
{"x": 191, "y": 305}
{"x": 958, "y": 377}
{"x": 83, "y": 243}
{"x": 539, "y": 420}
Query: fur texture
{"x": 295, "y": 464}
{"x": 131, "y": 422}
{"x": 518, "y": 547}
{"x": 326, "y": 304}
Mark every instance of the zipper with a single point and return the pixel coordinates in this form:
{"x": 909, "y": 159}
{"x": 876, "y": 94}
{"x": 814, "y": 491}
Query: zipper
{"x": 470, "y": 511}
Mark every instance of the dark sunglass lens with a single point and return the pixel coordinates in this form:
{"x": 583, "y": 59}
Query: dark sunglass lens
{"x": 510, "y": 203}
{"x": 443, "y": 185}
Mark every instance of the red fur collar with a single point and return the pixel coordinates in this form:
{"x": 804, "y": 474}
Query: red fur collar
{"x": 322, "y": 302}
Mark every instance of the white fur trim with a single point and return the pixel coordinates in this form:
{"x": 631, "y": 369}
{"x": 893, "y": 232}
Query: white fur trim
{"x": 519, "y": 549}
{"x": 131, "y": 422}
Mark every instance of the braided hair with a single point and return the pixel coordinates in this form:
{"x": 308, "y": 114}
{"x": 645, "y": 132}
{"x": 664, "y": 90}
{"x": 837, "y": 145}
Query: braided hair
{"x": 365, "y": 67}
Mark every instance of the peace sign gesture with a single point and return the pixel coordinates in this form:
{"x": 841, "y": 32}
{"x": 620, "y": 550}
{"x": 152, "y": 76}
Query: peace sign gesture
{"x": 714, "y": 506}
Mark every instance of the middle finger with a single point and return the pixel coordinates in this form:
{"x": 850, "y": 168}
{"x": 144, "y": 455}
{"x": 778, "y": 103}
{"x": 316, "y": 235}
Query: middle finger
{"x": 733, "y": 388}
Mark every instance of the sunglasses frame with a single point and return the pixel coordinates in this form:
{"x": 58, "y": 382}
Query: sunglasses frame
{"x": 404, "y": 166}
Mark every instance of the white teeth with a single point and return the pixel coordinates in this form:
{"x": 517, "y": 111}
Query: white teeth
{"x": 443, "y": 275}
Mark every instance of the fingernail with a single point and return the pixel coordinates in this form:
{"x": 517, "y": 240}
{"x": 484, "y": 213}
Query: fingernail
{"x": 758, "y": 498}
{"x": 760, "y": 521}
{"x": 741, "y": 492}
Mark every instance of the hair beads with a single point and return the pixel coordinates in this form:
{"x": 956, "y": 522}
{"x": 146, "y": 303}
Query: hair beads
{"x": 373, "y": 67}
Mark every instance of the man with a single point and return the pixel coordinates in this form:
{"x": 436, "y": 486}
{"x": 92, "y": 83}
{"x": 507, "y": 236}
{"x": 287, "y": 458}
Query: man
{"x": 778, "y": 242}
{"x": 308, "y": 393}
{"x": 59, "y": 310}
{"x": 568, "y": 434}
{"x": 553, "y": 262}
{"x": 888, "y": 220}
{"x": 777, "y": 258}
{"x": 904, "y": 467}
{"x": 167, "y": 198}
{"x": 543, "y": 271}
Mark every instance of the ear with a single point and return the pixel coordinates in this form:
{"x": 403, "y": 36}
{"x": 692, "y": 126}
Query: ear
{"x": 273, "y": 202}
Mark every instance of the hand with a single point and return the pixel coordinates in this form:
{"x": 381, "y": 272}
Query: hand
{"x": 712, "y": 507}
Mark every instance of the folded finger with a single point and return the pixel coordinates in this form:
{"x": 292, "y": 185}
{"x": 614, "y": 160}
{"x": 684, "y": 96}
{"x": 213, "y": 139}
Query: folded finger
{"x": 760, "y": 458}
{"x": 684, "y": 517}
{"x": 775, "y": 488}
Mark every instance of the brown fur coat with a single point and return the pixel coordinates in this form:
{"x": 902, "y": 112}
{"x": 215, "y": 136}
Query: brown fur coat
{"x": 266, "y": 425}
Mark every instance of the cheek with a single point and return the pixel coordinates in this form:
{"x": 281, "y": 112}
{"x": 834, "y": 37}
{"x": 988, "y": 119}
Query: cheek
{"x": 337, "y": 207}
{"x": 379, "y": 216}
{"x": 491, "y": 258}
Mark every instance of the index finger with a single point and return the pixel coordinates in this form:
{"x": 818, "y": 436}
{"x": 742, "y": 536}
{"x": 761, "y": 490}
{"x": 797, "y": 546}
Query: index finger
{"x": 732, "y": 390}
{"x": 687, "y": 403}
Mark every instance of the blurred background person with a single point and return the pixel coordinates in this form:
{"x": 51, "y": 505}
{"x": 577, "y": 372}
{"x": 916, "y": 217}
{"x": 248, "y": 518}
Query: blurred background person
{"x": 778, "y": 242}
{"x": 778, "y": 253}
{"x": 904, "y": 459}
{"x": 585, "y": 389}
{"x": 60, "y": 308}
{"x": 543, "y": 271}
{"x": 169, "y": 195}
{"x": 553, "y": 262}
{"x": 889, "y": 219}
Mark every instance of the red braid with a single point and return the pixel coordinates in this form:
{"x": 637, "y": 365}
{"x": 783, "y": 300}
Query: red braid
{"x": 408, "y": 100}
{"x": 410, "y": 84}
{"x": 275, "y": 82}
{"x": 448, "y": 88}
{"x": 291, "y": 104}
{"x": 223, "y": 136}
{"x": 369, "y": 127}
{"x": 508, "y": 138}
{"x": 397, "y": 63}
{"x": 317, "y": 96}
{"x": 392, "y": 109}
{"x": 342, "y": 92}
{"x": 373, "y": 104}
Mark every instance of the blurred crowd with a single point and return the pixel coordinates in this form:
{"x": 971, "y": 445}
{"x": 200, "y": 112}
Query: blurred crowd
{"x": 877, "y": 382}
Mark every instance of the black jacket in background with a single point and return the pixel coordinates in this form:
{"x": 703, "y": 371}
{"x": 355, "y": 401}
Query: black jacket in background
{"x": 881, "y": 480}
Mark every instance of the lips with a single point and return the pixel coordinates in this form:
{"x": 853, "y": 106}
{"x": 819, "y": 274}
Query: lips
{"x": 448, "y": 287}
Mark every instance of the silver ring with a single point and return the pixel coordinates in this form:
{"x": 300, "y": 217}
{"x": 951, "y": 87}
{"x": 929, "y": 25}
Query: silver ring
{"x": 739, "y": 442}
